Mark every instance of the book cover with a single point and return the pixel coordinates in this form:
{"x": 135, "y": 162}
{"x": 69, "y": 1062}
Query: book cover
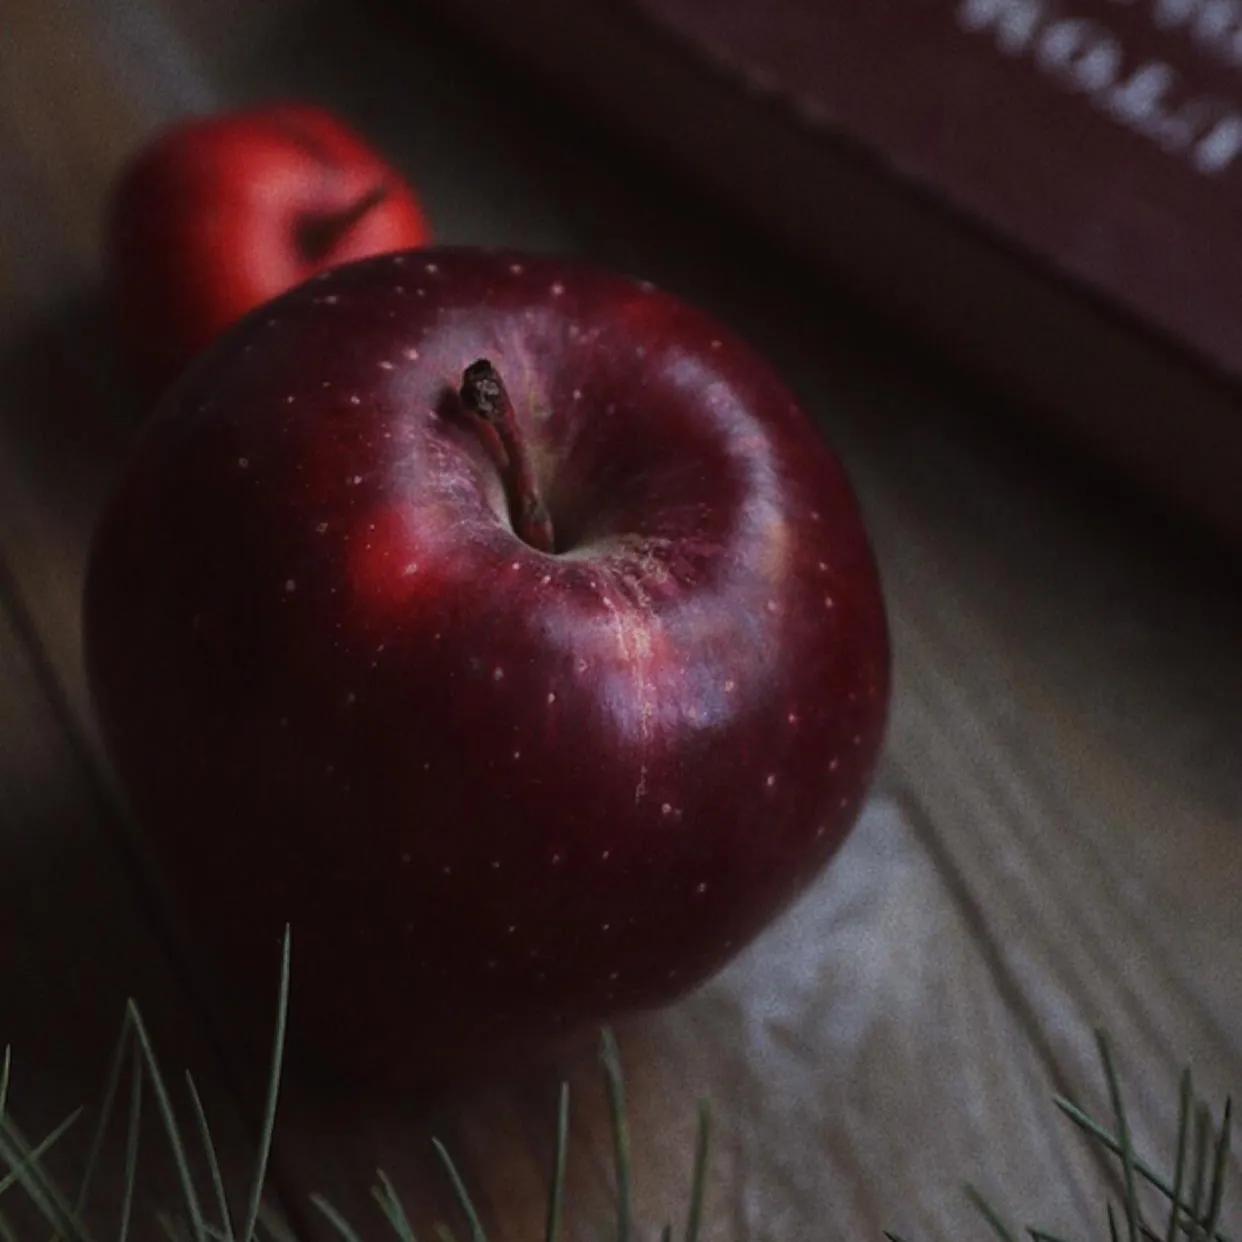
{"x": 1046, "y": 189}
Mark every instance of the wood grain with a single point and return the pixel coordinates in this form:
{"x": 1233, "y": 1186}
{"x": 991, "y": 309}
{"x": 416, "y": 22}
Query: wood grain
{"x": 1054, "y": 840}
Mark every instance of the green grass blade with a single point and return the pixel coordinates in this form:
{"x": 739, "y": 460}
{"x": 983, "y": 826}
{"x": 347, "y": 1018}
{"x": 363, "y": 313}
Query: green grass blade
{"x": 386, "y": 1196}
{"x": 112, "y": 1083}
{"x": 21, "y": 1172}
{"x": 32, "y": 1160}
{"x": 698, "y": 1180}
{"x": 6, "y": 1066}
{"x": 460, "y": 1192}
{"x": 610, "y": 1058}
{"x": 1203, "y": 1128}
{"x": 989, "y": 1214}
{"x": 131, "y": 1149}
{"x": 1185, "y": 1096}
{"x": 275, "y": 1224}
{"x": 1123, "y": 1135}
{"x": 213, "y": 1163}
{"x": 37, "y": 1153}
{"x": 43, "y": 1192}
{"x": 1144, "y": 1170}
{"x": 556, "y": 1194}
{"x": 171, "y": 1129}
{"x": 338, "y": 1222}
{"x": 273, "y": 1090}
{"x": 1216, "y": 1197}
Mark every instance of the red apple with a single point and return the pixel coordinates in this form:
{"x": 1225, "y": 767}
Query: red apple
{"x": 502, "y": 623}
{"x": 219, "y": 215}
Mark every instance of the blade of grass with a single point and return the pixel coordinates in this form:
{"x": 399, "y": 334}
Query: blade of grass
{"x": 386, "y": 1196}
{"x": 21, "y": 1172}
{"x": 131, "y": 1148}
{"x": 273, "y": 1089}
{"x": 1123, "y": 1135}
{"x": 275, "y": 1225}
{"x": 339, "y": 1223}
{"x": 213, "y": 1163}
{"x": 33, "y": 1178}
{"x": 556, "y": 1194}
{"x": 460, "y": 1192}
{"x": 989, "y": 1214}
{"x": 171, "y": 1129}
{"x": 6, "y": 1065}
{"x": 37, "y": 1153}
{"x": 1203, "y": 1129}
{"x": 1185, "y": 1095}
{"x": 698, "y": 1180}
{"x": 174, "y": 1227}
{"x": 1216, "y": 1197}
{"x": 112, "y": 1083}
{"x": 610, "y": 1057}
{"x": 1141, "y": 1167}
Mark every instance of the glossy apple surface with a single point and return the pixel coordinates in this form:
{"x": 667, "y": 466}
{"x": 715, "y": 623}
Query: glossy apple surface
{"x": 497, "y": 790}
{"x": 218, "y": 215}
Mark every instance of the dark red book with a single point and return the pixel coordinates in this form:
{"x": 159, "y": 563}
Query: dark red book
{"x": 1045, "y": 188}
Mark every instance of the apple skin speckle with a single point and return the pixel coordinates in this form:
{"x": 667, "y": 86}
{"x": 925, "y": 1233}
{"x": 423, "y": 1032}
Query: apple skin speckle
{"x": 614, "y": 720}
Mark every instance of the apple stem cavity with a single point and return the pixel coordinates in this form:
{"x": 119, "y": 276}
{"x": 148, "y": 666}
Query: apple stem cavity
{"x": 484, "y": 395}
{"x": 319, "y": 234}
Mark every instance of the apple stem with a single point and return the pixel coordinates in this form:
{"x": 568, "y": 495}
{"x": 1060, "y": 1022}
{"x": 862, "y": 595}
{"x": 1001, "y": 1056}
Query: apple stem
{"x": 319, "y": 233}
{"x": 483, "y": 394}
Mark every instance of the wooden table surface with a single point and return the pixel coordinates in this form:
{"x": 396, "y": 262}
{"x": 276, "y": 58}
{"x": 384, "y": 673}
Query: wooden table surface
{"x": 1055, "y": 841}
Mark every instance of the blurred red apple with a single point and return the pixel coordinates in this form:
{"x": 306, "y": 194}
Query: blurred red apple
{"x": 219, "y": 215}
{"x": 504, "y": 624}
